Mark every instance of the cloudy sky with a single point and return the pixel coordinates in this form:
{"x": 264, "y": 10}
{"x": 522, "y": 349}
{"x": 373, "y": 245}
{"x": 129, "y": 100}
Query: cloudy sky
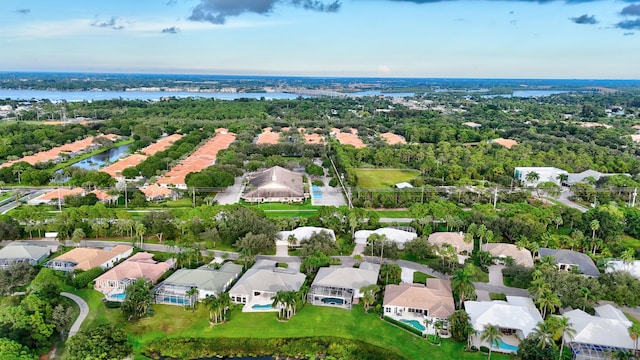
{"x": 387, "y": 38}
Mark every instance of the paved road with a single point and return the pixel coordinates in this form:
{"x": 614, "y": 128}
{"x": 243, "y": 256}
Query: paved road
{"x": 231, "y": 195}
{"x": 564, "y": 199}
{"x": 14, "y": 204}
{"x": 495, "y": 275}
{"x": 84, "y": 311}
{"x": 398, "y": 220}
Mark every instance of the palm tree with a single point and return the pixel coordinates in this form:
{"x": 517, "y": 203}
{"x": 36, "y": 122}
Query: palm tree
{"x": 532, "y": 177}
{"x": 595, "y": 226}
{"x": 210, "y": 302}
{"x": 245, "y": 256}
{"x": 634, "y": 333}
{"x": 392, "y": 271}
{"x": 279, "y": 302}
{"x": 562, "y": 178}
{"x": 547, "y": 299}
{"x": 543, "y": 333}
{"x": 78, "y": 235}
{"x": 564, "y": 329}
{"x": 369, "y": 295}
{"x": 491, "y": 334}
{"x": 462, "y": 285}
{"x": 627, "y": 257}
{"x": 225, "y": 302}
{"x": 141, "y": 230}
{"x": 192, "y": 294}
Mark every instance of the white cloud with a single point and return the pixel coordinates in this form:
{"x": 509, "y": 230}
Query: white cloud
{"x": 384, "y": 69}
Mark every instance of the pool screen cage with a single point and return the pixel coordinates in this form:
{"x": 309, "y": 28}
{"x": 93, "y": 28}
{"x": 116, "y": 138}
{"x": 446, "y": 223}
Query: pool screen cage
{"x": 582, "y": 351}
{"x": 174, "y": 294}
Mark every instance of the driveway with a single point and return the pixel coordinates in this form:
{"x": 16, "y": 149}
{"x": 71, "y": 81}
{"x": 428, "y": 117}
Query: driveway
{"x": 84, "y": 311}
{"x": 327, "y": 196}
{"x": 495, "y": 275}
{"x": 231, "y": 195}
{"x": 564, "y": 199}
{"x": 407, "y": 275}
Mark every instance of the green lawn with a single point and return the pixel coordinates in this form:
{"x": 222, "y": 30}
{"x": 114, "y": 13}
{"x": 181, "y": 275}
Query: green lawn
{"x": 310, "y": 321}
{"x": 629, "y": 242}
{"x": 420, "y": 277}
{"x": 6, "y": 195}
{"x": 382, "y": 178}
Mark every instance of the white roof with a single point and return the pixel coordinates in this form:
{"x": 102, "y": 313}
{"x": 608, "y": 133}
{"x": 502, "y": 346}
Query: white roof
{"x": 597, "y": 330}
{"x": 302, "y": 233}
{"x": 632, "y": 268}
{"x": 24, "y": 251}
{"x": 609, "y": 311}
{"x": 348, "y": 278}
{"x": 264, "y": 276}
{"x": 398, "y": 236}
{"x": 516, "y": 313}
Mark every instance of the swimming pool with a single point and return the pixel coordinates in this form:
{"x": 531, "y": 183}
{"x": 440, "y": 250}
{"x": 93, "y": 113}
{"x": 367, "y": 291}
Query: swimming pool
{"x": 316, "y": 192}
{"x": 315, "y": 188}
{"x": 261, "y": 307}
{"x": 171, "y": 300}
{"x": 415, "y": 323}
{"x": 332, "y": 301}
{"x": 117, "y": 297}
{"x": 504, "y": 346}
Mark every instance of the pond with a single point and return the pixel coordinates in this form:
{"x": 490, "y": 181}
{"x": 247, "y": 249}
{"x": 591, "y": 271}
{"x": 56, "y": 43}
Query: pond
{"x": 98, "y": 161}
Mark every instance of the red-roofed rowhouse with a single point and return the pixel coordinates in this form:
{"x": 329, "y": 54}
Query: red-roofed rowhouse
{"x": 54, "y": 195}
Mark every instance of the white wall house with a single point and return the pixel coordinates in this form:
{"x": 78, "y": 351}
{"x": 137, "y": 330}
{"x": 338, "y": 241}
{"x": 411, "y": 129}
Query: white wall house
{"x": 545, "y": 174}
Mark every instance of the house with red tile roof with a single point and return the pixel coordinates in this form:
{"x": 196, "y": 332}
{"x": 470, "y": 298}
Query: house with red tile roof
{"x": 154, "y": 192}
{"x": 105, "y": 197}
{"x": 392, "y": 138}
{"x": 53, "y": 196}
{"x": 114, "y": 282}
{"x": 89, "y": 258}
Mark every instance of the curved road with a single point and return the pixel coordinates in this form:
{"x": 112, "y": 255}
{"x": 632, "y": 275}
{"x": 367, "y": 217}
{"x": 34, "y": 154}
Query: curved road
{"x": 84, "y": 311}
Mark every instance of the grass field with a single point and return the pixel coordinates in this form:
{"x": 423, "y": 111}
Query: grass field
{"x": 420, "y": 277}
{"x": 381, "y": 178}
{"x": 393, "y": 213}
{"x": 310, "y": 321}
{"x": 629, "y": 242}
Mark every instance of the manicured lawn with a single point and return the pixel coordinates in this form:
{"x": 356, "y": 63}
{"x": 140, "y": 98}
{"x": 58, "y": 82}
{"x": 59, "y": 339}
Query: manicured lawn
{"x": 420, "y": 277}
{"x": 282, "y": 207}
{"x": 5, "y": 195}
{"x": 310, "y": 321}
{"x": 382, "y": 178}
{"x": 290, "y": 213}
{"x": 630, "y": 242}
{"x": 497, "y": 296}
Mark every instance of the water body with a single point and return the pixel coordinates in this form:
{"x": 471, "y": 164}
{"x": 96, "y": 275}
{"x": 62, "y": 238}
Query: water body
{"x": 527, "y": 93}
{"x": 98, "y": 161}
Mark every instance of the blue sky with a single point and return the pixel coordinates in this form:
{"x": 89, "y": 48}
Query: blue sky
{"x": 386, "y": 38}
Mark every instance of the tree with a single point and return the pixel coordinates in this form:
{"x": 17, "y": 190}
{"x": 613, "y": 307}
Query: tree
{"x": 532, "y": 177}
{"x": 161, "y": 224}
{"x": 246, "y": 257}
{"x": 192, "y": 294}
{"x": 460, "y": 325}
{"x": 369, "y": 295}
{"x": 546, "y": 299}
{"x": 563, "y": 329}
{"x": 390, "y": 273}
{"x": 138, "y": 299}
{"x": 544, "y": 334}
{"x": 462, "y": 285}
{"x": 212, "y": 303}
{"x": 312, "y": 262}
{"x": 634, "y": 333}
{"x": 13, "y": 350}
{"x": 141, "y": 230}
{"x": 78, "y": 235}
{"x": 627, "y": 257}
{"x": 491, "y": 334}
{"x": 255, "y": 243}
{"x": 594, "y": 225}
{"x": 318, "y": 241}
{"x": 285, "y": 302}
{"x": 102, "y": 342}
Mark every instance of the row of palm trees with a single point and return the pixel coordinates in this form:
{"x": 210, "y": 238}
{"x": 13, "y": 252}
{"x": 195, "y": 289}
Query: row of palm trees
{"x": 217, "y": 307}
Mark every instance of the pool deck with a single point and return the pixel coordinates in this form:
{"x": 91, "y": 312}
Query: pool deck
{"x": 407, "y": 316}
{"x": 507, "y": 339}
{"x": 259, "y": 300}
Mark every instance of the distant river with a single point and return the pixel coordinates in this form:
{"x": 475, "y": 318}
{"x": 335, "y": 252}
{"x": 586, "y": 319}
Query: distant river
{"x": 527, "y": 93}
{"x": 55, "y": 95}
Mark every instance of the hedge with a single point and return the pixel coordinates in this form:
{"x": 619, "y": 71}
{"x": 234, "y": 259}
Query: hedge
{"x": 84, "y": 278}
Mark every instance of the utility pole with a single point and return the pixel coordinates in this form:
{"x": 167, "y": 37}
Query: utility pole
{"x": 126, "y": 201}
{"x": 495, "y": 197}
{"x": 194, "y": 197}
{"x": 635, "y": 193}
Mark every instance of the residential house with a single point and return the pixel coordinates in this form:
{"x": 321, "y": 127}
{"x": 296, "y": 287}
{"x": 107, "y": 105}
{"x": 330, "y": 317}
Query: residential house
{"x": 597, "y": 337}
{"x": 22, "y": 253}
{"x": 454, "y": 239}
{"x": 580, "y": 177}
{"x": 545, "y": 174}
{"x": 501, "y": 252}
{"x": 340, "y": 286}
{"x": 275, "y": 184}
{"x": 89, "y": 258}
{"x": 300, "y": 234}
{"x": 114, "y": 282}
{"x": 419, "y": 305}
{"x": 259, "y": 284}
{"x": 55, "y": 196}
{"x": 507, "y": 143}
{"x": 632, "y": 267}
{"x": 516, "y": 318}
{"x": 568, "y": 260}
{"x": 398, "y": 236}
{"x": 175, "y": 290}
{"x": 104, "y": 196}
{"x": 154, "y": 192}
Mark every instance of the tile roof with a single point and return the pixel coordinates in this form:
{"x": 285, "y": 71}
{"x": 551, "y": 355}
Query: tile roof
{"x": 392, "y": 138}
{"x": 520, "y": 256}
{"x": 436, "y": 297}
{"x": 507, "y": 143}
{"x": 313, "y": 139}
{"x": 161, "y": 145}
{"x": 59, "y": 194}
{"x": 55, "y": 152}
{"x": 563, "y": 256}
{"x": 268, "y": 137}
{"x": 452, "y": 238}
{"x": 104, "y": 195}
{"x": 89, "y": 258}
{"x": 202, "y": 158}
{"x": 346, "y": 277}
{"x": 140, "y": 265}
{"x": 115, "y": 169}
{"x": 154, "y": 191}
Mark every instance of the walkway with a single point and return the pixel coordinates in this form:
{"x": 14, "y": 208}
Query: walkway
{"x": 84, "y": 311}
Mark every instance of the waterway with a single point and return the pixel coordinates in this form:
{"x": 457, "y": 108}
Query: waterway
{"x": 102, "y": 159}
{"x": 72, "y": 96}
{"x": 527, "y": 93}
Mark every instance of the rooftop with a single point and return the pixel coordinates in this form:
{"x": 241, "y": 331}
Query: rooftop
{"x": 436, "y": 296}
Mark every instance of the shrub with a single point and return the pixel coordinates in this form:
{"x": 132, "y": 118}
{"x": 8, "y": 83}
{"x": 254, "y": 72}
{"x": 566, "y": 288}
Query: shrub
{"x": 113, "y": 304}
{"x": 484, "y": 349}
{"x": 497, "y": 296}
{"x": 317, "y": 183}
{"x": 333, "y": 182}
{"x": 82, "y": 279}
{"x": 404, "y": 326}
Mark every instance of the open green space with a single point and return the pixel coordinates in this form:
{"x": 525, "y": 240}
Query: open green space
{"x": 401, "y": 213}
{"x": 174, "y": 321}
{"x": 629, "y": 242}
{"x": 381, "y": 178}
{"x": 6, "y": 195}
